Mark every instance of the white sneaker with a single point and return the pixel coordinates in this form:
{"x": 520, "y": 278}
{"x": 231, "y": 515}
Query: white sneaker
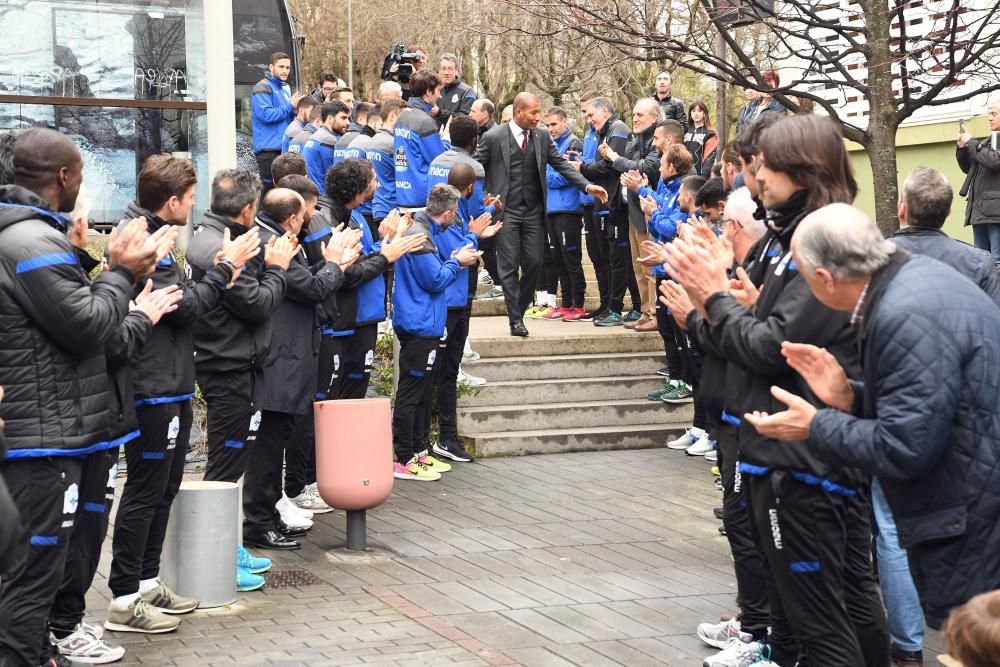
{"x": 712, "y": 456}
{"x": 719, "y": 634}
{"x": 86, "y": 645}
{"x": 484, "y": 277}
{"x": 737, "y": 654}
{"x": 701, "y": 447}
{"x": 471, "y": 379}
{"x": 471, "y": 355}
{"x": 290, "y": 512}
{"x": 310, "y": 499}
{"x": 684, "y": 441}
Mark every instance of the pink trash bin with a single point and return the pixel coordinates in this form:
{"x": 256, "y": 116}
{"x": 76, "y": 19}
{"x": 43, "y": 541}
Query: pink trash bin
{"x": 354, "y": 459}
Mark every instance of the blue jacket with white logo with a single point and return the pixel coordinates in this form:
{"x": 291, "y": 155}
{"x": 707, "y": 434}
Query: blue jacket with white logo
{"x": 371, "y": 293}
{"x": 270, "y": 112}
{"x": 563, "y": 197}
{"x": 587, "y": 154}
{"x": 665, "y": 221}
{"x": 293, "y": 129}
{"x": 342, "y": 143}
{"x": 419, "y": 302}
{"x": 416, "y": 143}
{"x": 357, "y": 149}
{"x": 380, "y": 154}
{"x": 318, "y": 154}
{"x": 300, "y": 139}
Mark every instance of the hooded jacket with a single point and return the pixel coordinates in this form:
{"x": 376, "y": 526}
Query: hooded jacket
{"x": 54, "y": 324}
{"x": 270, "y": 112}
{"x": 419, "y": 304}
{"x": 380, "y": 153}
{"x": 318, "y": 154}
{"x": 785, "y": 310}
{"x": 289, "y": 380}
{"x": 416, "y": 144}
{"x": 236, "y": 334}
{"x": 456, "y": 97}
{"x": 563, "y": 196}
{"x": 641, "y": 156}
{"x": 615, "y": 134}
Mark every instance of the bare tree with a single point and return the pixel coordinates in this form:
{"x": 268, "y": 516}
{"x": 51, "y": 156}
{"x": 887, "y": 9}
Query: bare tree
{"x": 888, "y": 58}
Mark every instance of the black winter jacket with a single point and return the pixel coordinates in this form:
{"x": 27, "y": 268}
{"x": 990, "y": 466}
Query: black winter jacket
{"x": 290, "y": 379}
{"x": 163, "y": 368}
{"x": 786, "y": 310}
{"x": 236, "y": 334}
{"x": 615, "y": 134}
{"x": 639, "y": 155}
{"x": 927, "y": 424}
{"x": 973, "y": 263}
{"x": 981, "y": 163}
{"x": 54, "y": 323}
{"x": 673, "y": 109}
{"x": 456, "y": 97}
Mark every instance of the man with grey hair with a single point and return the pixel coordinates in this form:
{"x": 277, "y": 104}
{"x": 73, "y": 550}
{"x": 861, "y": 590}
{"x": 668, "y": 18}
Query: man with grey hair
{"x": 925, "y": 416}
{"x": 456, "y": 96}
{"x": 389, "y": 90}
{"x": 980, "y": 160}
{"x": 419, "y": 315}
{"x": 924, "y": 204}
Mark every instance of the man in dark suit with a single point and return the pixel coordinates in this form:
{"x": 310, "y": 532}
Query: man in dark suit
{"x": 514, "y": 155}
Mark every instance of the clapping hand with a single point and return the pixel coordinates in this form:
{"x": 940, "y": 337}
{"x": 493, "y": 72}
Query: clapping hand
{"x": 633, "y": 180}
{"x": 401, "y": 246}
{"x": 653, "y": 253}
{"x": 791, "y": 424}
{"x": 157, "y": 303}
{"x": 482, "y": 228}
{"x": 648, "y": 206}
{"x": 280, "y": 250}
{"x": 494, "y": 201}
{"x": 239, "y": 251}
{"x": 743, "y": 289}
{"x": 822, "y": 372}
{"x": 131, "y": 248}
{"x": 694, "y": 267}
{"x": 676, "y": 299}
{"x": 466, "y": 256}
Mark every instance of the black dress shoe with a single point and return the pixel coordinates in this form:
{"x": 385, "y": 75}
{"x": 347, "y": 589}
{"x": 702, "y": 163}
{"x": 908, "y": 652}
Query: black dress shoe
{"x": 287, "y": 531}
{"x": 272, "y": 539}
{"x": 517, "y": 329}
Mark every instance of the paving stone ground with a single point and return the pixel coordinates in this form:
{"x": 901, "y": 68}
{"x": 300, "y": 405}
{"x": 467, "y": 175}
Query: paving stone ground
{"x": 602, "y": 558}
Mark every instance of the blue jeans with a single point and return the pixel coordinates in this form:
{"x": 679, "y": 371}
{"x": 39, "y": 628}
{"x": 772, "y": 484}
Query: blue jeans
{"x": 906, "y": 620}
{"x": 986, "y": 236}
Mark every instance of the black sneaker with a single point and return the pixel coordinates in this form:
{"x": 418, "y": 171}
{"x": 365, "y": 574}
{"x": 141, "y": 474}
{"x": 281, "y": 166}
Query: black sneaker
{"x": 665, "y": 372}
{"x": 592, "y": 315}
{"x": 452, "y": 449}
{"x": 717, "y": 511}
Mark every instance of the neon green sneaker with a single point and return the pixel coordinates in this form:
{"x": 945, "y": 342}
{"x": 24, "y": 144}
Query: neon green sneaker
{"x": 432, "y": 463}
{"x": 535, "y": 312}
{"x": 413, "y": 469}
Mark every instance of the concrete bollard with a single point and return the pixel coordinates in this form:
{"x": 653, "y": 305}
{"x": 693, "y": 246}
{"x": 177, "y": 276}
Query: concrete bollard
{"x": 199, "y": 551}
{"x": 354, "y": 459}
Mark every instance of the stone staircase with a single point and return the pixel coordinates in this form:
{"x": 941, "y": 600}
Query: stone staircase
{"x": 568, "y": 387}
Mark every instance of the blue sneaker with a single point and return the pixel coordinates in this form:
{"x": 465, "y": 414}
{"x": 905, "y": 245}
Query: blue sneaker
{"x": 248, "y": 581}
{"x": 250, "y": 563}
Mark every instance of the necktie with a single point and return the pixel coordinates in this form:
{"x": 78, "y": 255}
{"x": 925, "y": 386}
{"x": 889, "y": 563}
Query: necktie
{"x": 524, "y": 141}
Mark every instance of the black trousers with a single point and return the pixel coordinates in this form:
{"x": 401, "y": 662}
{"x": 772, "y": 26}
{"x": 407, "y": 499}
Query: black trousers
{"x": 818, "y": 547}
{"x": 46, "y": 492}
{"x": 597, "y": 250}
{"x": 411, "y": 413}
{"x": 619, "y": 257}
{"x": 665, "y": 324}
{"x": 489, "y": 249}
{"x": 356, "y": 361}
{"x": 155, "y": 463}
{"x": 449, "y": 357}
{"x": 98, "y": 476}
{"x": 520, "y": 247}
{"x": 748, "y": 557}
{"x": 264, "y": 160}
{"x": 262, "y": 487}
{"x": 234, "y": 418}
{"x": 550, "y": 274}
{"x": 566, "y": 235}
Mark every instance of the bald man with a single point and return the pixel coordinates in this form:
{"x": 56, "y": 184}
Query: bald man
{"x": 514, "y": 156}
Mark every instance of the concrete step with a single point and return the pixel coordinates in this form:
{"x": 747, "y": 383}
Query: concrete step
{"x": 570, "y": 415}
{"x": 580, "y": 366}
{"x": 531, "y": 392}
{"x": 580, "y": 338}
{"x": 557, "y": 441}
{"x": 495, "y": 307}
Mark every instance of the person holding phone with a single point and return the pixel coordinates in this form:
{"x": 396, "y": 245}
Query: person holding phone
{"x": 979, "y": 159}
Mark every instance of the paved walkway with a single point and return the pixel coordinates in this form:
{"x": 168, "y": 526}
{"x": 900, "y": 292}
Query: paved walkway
{"x": 608, "y": 558}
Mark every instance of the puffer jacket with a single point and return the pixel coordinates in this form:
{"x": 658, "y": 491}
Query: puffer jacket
{"x": 641, "y": 156}
{"x": 456, "y": 98}
{"x": 54, "y": 324}
{"x": 270, "y": 112}
{"x": 927, "y": 425}
{"x": 615, "y": 134}
{"x": 786, "y": 310}
{"x": 236, "y": 334}
{"x": 973, "y": 263}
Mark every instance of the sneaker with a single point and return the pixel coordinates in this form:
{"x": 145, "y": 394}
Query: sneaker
{"x": 310, "y": 500}
{"x": 718, "y": 473}
{"x": 473, "y": 380}
{"x": 633, "y": 316}
{"x": 665, "y": 372}
{"x": 140, "y": 616}
{"x": 252, "y": 564}
{"x": 432, "y": 463}
{"x": 722, "y": 529}
{"x": 484, "y": 277}
{"x": 737, "y": 653}
{"x": 719, "y": 634}
{"x": 718, "y": 483}
{"x": 712, "y": 456}
{"x": 169, "y": 602}
{"x": 452, "y": 449}
{"x": 85, "y": 645}
{"x": 557, "y": 313}
{"x": 682, "y": 393}
{"x": 538, "y": 312}
{"x": 718, "y": 513}
{"x": 413, "y": 470}
{"x": 593, "y": 315}
{"x": 701, "y": 447}
{"x": 494, "y": 293}
{"x": 247, "y": 581}
{"x": 574, "y": 315}
{"x": 290, "y": 512}
{"x": 657, "y": 395}
{"x": 471, "y": 355}
{"x": 684, "y": 441}
{"x": 295, "y": 521}
{"x": 612, "y": 319}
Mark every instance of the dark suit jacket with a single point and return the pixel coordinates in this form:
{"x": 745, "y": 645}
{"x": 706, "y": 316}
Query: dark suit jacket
{"x": 494, "y": 154}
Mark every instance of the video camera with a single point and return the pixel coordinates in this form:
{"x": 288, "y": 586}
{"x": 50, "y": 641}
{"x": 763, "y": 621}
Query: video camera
{"x": 398, "y": 65}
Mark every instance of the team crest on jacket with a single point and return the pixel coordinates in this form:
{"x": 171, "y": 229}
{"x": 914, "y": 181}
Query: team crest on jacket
{"x": 454, "y": 98}
{"x": 255, "y": 422}
{"x": 71, "y": 498}
{"x": 174, "y": 428}
{"x": 401, "y": 157}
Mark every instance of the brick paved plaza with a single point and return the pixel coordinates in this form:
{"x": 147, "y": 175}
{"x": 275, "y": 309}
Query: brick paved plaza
{"x": 600, "y": 558}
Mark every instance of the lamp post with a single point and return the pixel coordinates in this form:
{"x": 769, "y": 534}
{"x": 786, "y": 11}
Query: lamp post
{"x": 350, "y": 48}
